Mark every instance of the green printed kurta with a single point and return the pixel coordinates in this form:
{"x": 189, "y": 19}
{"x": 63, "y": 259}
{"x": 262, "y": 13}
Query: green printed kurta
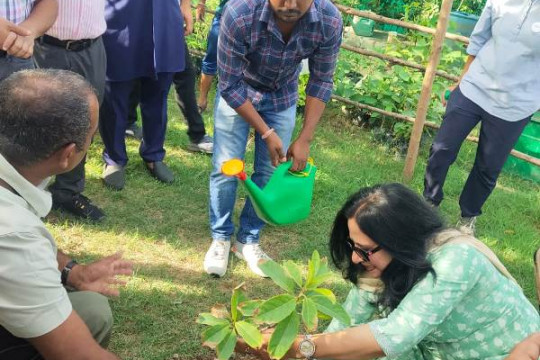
{"x": 468, "y": 311}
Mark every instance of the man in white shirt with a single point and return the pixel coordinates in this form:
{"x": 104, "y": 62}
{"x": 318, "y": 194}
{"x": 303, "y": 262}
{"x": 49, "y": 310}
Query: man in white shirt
{"x": 48, "y": 119}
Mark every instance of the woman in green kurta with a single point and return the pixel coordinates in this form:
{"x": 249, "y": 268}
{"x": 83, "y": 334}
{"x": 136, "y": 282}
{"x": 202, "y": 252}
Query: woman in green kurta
{"x": 421, "y": 291}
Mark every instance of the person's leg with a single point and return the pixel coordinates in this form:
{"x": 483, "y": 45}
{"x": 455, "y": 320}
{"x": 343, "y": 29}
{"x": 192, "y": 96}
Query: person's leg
{"x": 113, "y": 121}
{"x": 283, "y": 123}
{"x": 209, "y": 63}
{"x": 154, "y": 116}
{"x": 497, "y": 138}
{"x": 132, "y": 129}
{"x": 10, "y": 64}
{"x": 14, "y": 348}
{"x": 154, "y": 94}
{"x": 230, "y": 138}
{"x": 184, "y": 85}
{"x": 91, "y": 64}
{"x": 94, "y": 310}
{"x": 460, "y": 118}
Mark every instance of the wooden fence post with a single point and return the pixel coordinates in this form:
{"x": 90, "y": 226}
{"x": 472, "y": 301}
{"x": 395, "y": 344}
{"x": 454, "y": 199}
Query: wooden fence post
{"x": 425, "y": 95}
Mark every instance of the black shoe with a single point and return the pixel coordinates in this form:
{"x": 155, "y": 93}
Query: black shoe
{"x": 161, "y": 172}
{"x": 134, "y": 131}
{"x": 80, "y": 206}
{"x": 114, "y": 176}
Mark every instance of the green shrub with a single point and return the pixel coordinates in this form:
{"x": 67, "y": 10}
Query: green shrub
{"x": 302, "y": 304}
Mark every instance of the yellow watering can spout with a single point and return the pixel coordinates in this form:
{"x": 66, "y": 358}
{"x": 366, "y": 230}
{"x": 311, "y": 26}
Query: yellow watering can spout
{"x": 286, "y": 198}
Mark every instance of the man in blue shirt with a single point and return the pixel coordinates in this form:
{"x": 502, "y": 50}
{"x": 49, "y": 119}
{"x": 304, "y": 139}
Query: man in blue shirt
{"x": 261, "y": 44}
{"x": 144, "y": 42}
{"x": 500, "y": 87}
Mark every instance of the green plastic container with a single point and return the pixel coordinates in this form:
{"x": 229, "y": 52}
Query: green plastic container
{"x": 528, "y": 143}
{"x": 462, "y": 23}
{"x": 394, "y": 28}
{"x": 363, "y": 26}
{"x": 286, "y": 198}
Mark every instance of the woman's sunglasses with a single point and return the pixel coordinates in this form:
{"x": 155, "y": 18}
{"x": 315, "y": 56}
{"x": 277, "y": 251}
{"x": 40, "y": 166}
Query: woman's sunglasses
{"x": 362, "y": 253}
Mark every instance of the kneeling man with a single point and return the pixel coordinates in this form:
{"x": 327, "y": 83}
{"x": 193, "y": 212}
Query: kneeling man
{"x": 47, "y": 121}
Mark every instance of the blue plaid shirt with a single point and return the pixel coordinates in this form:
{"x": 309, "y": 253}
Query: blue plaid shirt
{"x": 253, "y": 59}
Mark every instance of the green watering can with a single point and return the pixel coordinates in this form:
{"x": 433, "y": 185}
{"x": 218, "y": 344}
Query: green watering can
{"x": 286, "y": 198}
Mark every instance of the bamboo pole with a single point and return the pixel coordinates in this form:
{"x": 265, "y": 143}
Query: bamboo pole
{"x": 395, "y": 60}
{"x": 379, "y": 18}
{"x": 425, "y": 95}
{"x": 429, "y": 124}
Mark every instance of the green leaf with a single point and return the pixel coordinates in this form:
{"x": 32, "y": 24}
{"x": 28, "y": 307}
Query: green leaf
{"x": 277, "y": 308}
{"x": 236, "y": 298}
{"x": 278, "y": 275}
{"x": 209, "y": 319}
{"x": 321, "y": 276}
{"x": 313, "y": 267}
{"x": 226, "y": 347}
{"x": 294, "y": 272}
{"x": 248, "y": 308}
{"x": 215, "y": 334}
{"x": 284, "y": 335}
{"x": 322, "y": 292}
{"x": 325, "y": 306}
{"x": 309, "y": 314}
{"x": 249, "y": 333}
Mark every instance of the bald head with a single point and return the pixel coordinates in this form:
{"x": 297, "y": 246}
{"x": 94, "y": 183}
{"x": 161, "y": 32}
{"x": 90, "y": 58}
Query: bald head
{"x": 40, "y": 112}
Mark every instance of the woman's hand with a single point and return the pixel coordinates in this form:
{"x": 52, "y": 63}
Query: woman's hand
{"x": 243, "y": 348}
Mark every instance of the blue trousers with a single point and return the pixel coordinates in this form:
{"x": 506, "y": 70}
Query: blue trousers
{"x": 10, "y": 64}
{"x": 231, "y": 134}
{"x": 209, "y": 62}
{"x": 114, "y": 118}
{"x": 497, "y": 138}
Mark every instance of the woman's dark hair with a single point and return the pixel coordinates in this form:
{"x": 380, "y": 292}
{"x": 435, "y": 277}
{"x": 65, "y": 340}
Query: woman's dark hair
{"x": 401, "y": 223}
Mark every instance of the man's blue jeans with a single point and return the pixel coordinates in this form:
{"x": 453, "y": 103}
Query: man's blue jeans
{"x": 231, "y": 133}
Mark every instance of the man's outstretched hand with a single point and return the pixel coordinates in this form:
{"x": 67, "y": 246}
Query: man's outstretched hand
{"x": 101, "y": 276}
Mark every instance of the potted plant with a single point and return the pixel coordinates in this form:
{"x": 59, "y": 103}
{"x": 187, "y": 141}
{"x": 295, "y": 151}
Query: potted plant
{"x": 297, "y": 309}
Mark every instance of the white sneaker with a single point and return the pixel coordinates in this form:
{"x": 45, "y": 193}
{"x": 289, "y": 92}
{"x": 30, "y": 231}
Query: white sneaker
{"x": 217, "y": 258}
{"x": 206, "y": 145}
{"x": 467, "y": 225}
{"x": 252, "y": 254}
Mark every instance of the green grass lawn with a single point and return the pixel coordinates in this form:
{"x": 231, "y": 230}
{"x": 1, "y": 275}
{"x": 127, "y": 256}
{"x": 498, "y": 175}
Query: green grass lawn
{"x": 163, "y": 229}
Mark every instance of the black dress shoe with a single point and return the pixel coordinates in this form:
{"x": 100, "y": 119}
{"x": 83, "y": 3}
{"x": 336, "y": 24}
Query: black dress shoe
{"x": 114, "y": 177}
{"x": 161, "y": 172}
{"x": 80, "y": 206}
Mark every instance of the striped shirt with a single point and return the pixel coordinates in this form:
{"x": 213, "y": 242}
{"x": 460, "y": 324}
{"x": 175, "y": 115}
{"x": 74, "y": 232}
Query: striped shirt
{"x": 253, "y": 59}
{"x": 16, "y": 11}
{"x": 79, "y": 19}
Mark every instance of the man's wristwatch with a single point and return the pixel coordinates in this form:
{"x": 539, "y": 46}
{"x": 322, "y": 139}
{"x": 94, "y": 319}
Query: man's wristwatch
{"x": 66, "y": 270}
{"x": 307, "y": 347}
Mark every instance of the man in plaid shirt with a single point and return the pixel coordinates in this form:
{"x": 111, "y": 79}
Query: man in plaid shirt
{"x": 261, "y": 44}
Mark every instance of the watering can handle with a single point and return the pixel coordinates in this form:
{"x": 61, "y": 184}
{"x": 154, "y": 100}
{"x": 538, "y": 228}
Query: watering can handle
{"x": 307, "y": 170}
